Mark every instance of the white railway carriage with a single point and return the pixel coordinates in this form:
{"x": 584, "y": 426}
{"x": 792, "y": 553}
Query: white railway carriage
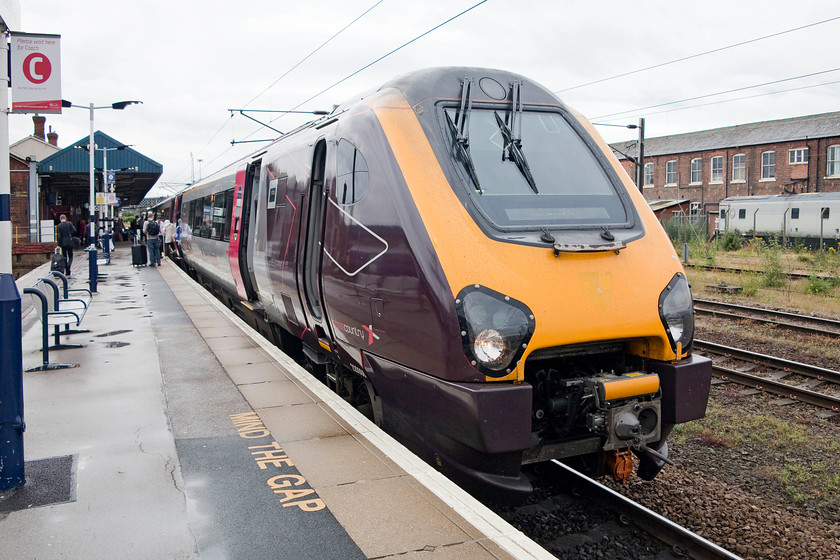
{"x": 811, "y": 219}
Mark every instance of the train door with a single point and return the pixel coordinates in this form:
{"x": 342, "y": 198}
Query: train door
{"x": 246, "y": 225}
{"x": 311, "y": 264}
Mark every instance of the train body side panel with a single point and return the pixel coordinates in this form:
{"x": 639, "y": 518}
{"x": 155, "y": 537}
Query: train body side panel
{"x": 286, "y": 176}
{"x": 384, "y": 290}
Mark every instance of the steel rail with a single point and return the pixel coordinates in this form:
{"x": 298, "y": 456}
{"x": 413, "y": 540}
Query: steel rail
{"x": 770, "y": 385}
{"x": 793, "y": 275}
{"x": 820, "y": 322}
{"x": 682, "y": 539}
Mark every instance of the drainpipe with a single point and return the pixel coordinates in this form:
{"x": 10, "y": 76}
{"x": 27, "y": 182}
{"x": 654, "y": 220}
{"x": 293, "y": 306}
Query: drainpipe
{"x": 33, "y": 198}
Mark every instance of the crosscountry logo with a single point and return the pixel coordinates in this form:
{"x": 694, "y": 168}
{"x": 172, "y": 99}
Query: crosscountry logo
{"x": 37, "y": 68}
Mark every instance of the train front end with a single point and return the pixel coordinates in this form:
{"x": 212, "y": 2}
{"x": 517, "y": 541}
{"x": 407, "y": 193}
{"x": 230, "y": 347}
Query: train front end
{"x": 574, "y": 314}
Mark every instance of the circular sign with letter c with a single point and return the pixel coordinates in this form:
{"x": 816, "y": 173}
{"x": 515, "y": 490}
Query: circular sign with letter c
{"x": 37, "y": 68}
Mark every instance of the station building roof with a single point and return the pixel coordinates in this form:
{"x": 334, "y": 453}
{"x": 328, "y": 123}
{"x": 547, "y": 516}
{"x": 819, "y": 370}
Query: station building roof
{"x": 68, "y": 170}
{"x": 752, "y": 134}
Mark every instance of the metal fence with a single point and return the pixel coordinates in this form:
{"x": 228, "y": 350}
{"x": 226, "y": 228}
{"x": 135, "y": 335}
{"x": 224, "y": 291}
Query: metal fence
{"x": 684, "y": 228}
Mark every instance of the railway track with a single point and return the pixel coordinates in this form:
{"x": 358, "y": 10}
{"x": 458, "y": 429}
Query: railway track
{"x": 682, "y": 541}
{"x": 791, "y": 321}
{"x": 793, "y": 380}
{"x": 791, "y": 275}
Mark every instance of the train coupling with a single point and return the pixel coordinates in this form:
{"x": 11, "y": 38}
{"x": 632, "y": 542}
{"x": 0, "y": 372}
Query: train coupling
{"x": 627, "y": 411}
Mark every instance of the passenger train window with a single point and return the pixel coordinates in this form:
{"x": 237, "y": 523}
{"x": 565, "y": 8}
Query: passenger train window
{"x": 794, "y": 213}
{"x": 742, "y": 213}
{"x": 352, "y": 176}
{"x": 228, "y": 195}
{"x": 206, "y": 226}
{"x": 217, "y": 225}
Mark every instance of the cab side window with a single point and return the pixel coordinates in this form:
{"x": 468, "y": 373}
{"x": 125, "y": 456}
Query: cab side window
{"x": 352, "y": 176}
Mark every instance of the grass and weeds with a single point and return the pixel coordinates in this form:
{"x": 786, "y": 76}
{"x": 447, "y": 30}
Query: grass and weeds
{"x": 814, "y": 478}
{"x": 768, "y": 266}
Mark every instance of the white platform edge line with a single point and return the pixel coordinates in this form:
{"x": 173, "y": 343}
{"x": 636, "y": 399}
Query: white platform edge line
{"x": 474, "y": 512}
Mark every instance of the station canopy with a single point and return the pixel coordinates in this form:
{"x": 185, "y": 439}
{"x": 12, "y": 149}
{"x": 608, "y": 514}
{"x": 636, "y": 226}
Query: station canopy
{"x": 68, "y": 171}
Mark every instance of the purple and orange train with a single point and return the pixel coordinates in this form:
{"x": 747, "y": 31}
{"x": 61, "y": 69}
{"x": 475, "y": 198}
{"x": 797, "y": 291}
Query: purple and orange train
{"x": 460, "y": 255}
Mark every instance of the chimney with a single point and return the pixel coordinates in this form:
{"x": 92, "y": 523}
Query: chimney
{"x": 39, "y": 126}
{"x": 52, "y": 137}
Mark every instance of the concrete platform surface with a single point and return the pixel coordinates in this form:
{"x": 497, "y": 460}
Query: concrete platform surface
{"x": 190, "y": 436}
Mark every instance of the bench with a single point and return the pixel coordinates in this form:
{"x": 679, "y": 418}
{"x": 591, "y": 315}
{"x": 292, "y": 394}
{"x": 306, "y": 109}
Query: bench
{"x": 80, "y": 300}
{"x": 44, "y": 295}
{"x": 56, "y": 303}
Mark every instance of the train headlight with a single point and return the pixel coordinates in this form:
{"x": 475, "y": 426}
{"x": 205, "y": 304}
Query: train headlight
{"x": 495, "y": 329}
{"x": 676, "y": 310}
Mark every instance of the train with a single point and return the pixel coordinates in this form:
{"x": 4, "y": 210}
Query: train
{"x": 459, "y": 255}
{"x": 805, "y": 219}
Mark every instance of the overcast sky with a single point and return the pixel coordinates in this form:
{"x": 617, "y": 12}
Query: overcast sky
{"x": 190, "y": 61}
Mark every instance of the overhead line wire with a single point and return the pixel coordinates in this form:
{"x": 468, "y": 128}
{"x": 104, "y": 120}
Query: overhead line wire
{"x": 714, "y": 94}
{"x": 286, "y": 73}
{"x": 322, "y": 45}
{"x": 740, "y": 98}
{"x": 361, "y": 69}
{"x": 697, "y": 55}
{"x": 365, "y": 67}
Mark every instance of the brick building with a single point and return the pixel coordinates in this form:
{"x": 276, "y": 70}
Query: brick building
{"x": 28, "y": 250}
{"x": 796, "y": 155}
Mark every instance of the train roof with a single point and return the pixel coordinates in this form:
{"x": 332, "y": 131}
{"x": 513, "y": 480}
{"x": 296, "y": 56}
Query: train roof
{"x": 784, "y": 198}
{"x": 765, "y": 132}
{"x": 446, "y": 82}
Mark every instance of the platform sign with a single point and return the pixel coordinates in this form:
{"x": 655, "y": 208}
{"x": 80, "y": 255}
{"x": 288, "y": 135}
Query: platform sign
{"x": 106, "y": 199}
{"x": 35, "y": 73}
{"x": 111, "y": 177}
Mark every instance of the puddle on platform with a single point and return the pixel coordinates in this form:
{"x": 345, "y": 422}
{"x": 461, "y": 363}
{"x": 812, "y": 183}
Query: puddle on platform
{"x": 112, "y": 333}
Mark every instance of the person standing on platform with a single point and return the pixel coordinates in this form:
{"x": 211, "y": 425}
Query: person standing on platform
{"x": 169, "y": 238}
{"x": 66, "y": 232}
{"x": 152, "y": 231}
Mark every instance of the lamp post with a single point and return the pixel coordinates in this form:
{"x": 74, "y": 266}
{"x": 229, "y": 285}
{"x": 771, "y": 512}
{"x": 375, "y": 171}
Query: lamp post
{"x": 93, "y": 269}
{"x": 639, "y": 160}
{"x": 108, "y": 226}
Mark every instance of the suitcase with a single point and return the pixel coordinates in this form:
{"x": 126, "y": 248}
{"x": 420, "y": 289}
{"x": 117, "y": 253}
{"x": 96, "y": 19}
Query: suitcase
{"x": 138, "y": 255}
{"x": 59, "y": 262}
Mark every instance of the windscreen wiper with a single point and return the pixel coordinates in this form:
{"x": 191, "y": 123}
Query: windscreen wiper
{"x": 513, "y": 149}
{"x": 463, "y": 146}
{"x": 513, "y": 134}
{"x": 461, "y": 130}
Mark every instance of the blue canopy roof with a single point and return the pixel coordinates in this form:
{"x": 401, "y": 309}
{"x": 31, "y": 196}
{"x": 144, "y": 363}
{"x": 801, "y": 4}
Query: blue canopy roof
{"x": 69, "y": 168}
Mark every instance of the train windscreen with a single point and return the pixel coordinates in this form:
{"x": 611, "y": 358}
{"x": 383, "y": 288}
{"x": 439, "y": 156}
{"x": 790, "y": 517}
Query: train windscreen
{"x": 533, "y": 171}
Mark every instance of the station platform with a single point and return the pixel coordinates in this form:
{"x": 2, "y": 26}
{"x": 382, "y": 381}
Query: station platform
{"x": 181, "y": 433}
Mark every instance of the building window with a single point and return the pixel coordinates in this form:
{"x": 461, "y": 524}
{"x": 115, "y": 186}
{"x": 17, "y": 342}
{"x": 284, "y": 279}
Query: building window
{"x": 648, "y": 174}
{"x": 799, "y": 155}
{"x": 671, "y": 171}
{"x": 739, "y": 168}
{"x": 717, "y": 170}
{"x": 768, "y": 166}
{"x": 696, "y": 171}
{"x": 833, "y": 167}
{"x": 794, "y": 213}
